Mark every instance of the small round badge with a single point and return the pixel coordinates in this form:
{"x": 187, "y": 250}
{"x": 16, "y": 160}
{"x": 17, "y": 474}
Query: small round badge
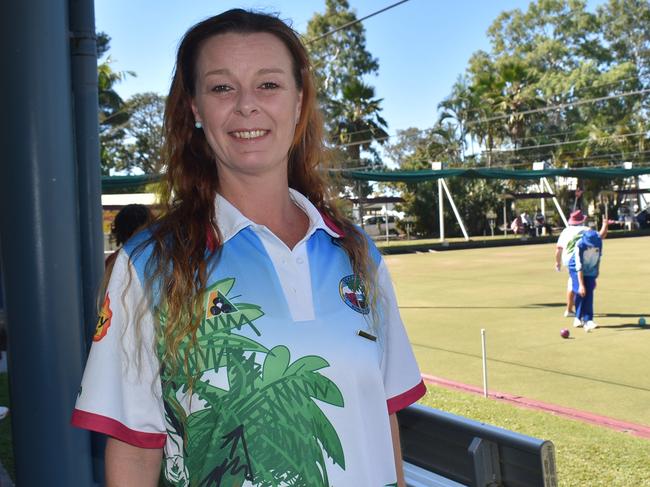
{"x": 353, "y": 294}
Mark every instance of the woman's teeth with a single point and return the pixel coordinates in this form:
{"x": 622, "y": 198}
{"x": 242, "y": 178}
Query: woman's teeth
{"x": 249, "y": 134}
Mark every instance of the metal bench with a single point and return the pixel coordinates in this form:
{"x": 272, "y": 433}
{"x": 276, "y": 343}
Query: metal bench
{"x": 444, "y": 450}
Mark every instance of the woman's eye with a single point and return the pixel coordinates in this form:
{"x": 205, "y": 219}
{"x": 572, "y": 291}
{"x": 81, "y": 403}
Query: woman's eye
{"x": 269, "y": 85}
{"x": 221, "y": 88}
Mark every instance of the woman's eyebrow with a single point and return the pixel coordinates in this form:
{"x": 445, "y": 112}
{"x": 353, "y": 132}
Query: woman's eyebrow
{"x": 260, "y": 71}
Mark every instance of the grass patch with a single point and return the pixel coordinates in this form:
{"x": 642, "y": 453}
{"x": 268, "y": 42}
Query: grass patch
{"x": 445, "y": 299}
{"x": 586, "y": 455}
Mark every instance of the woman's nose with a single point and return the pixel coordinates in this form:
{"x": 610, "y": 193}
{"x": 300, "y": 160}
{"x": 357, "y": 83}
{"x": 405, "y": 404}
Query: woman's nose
{"x": 246, "y": 103}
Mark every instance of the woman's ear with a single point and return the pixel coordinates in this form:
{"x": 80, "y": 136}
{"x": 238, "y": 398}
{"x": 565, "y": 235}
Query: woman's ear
{"x": 195, "y": 111}
{"x": 299, "y": 107}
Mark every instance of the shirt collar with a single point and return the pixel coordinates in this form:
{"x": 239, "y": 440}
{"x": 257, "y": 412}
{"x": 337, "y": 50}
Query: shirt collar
{"x": 231, "y": 221}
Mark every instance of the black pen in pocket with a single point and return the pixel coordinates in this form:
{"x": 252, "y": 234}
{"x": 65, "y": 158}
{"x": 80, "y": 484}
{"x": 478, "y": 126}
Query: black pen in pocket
{"x": 366, "y": 335}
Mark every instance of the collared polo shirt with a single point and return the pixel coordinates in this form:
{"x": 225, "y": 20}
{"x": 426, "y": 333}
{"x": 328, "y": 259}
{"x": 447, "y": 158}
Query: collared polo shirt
{"x": 294, "y": 377}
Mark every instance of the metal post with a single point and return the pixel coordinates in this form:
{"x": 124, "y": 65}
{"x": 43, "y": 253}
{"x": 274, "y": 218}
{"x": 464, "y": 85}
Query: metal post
{"x": 84, "y": 91}
{"x": 441, "y": 212}
{"x": 360, "y": 196}
{"x": 505, "y": 219}
{"x": 83, "y": 57}
{"x": 40, "y": 245}
{"x": 542, "y": 205}
{"x": 556, "y": 202}
{"x": 484, "y": 355}
{"x": 453, "y": 207}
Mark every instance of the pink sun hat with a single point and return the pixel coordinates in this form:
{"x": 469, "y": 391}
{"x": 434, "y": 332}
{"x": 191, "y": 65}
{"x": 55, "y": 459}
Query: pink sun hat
{"x": 577, "y": 218}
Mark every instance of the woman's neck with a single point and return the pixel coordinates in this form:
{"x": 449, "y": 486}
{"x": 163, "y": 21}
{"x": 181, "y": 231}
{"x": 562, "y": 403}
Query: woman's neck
{"x": 268, "y": 203}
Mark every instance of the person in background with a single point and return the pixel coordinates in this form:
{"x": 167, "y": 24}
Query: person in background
{"x": 517, "y": 225}
{"x": 564, "y": 249}
{"x": 127, "y": 222}
{"x": 584, "y": 265}
{"x": 251, "y": 336}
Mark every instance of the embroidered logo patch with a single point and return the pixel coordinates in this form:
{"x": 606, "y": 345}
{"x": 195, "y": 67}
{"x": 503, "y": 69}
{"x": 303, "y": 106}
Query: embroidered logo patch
{"x": 104, "y": 320}
{"x": 353, "y": 294}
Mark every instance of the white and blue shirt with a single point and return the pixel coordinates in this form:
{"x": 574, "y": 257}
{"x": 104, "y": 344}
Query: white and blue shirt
{"x": 294, "y": 378}
{"x": 586, "y": 254}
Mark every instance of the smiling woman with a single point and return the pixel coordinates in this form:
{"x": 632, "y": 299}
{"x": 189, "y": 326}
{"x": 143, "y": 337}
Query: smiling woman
{"x": 248, "y": 103}
{"x": 250, "y": 336}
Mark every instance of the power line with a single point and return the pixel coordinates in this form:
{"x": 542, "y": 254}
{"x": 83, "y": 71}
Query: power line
{"x": 556, "y": 144}
{"x": 352, "y": 22}
{"x": 559, "y": 106}
{"x": 550, "y": 107}
{"x": 501, "y": 117}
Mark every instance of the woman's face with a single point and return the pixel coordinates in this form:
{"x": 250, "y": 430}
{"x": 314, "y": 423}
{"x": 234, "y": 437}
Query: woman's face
{"x": 248, "y": 102}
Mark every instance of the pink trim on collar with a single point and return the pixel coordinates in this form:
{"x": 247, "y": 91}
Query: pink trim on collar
{"x": 331, "y": 225}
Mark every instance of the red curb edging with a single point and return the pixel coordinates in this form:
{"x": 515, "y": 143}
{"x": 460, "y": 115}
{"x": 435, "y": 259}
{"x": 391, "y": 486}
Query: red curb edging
{"x": 586, "y": 417}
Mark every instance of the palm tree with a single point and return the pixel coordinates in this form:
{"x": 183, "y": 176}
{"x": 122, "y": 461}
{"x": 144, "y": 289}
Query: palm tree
{"x": 356, "y": 122}
{"x": 267, "y": 427}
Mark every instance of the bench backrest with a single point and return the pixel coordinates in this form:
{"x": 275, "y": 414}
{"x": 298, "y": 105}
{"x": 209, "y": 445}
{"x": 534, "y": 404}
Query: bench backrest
{"x": 472, "y": 453}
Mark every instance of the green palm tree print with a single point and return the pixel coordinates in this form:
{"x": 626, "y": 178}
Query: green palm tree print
{"x": 266, "y": 426}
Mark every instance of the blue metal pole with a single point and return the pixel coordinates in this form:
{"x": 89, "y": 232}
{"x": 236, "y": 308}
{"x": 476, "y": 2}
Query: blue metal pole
{"x": 40, "y": 244}
{"x": 83, "y": 50}
{"x": 83, "y": 56}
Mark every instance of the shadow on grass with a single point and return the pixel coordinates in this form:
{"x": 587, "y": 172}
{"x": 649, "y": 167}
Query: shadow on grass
{"x": 623, "y": 326}
{"x": 622, "y": 315}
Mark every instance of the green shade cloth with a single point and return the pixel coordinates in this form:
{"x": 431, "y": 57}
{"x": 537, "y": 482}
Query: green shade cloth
{"x": 120, "y": 183}
{"x": 485, "y": 173}
{"x": 117, "y": 183}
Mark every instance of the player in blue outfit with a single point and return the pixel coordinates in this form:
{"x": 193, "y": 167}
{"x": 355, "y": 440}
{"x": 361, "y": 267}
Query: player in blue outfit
{"x": 583, "y": 269}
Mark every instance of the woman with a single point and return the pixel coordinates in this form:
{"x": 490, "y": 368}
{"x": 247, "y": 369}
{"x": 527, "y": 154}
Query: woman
{"x": 269, "y": 350}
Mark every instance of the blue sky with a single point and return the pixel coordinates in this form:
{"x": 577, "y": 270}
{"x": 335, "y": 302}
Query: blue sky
{"x": 422, "y": 45}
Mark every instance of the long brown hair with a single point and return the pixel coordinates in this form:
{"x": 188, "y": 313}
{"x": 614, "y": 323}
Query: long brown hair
{"x": 180, "y": 238}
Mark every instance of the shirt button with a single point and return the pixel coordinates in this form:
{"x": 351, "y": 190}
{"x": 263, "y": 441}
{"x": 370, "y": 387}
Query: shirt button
{"x": 284, "y": 261}
{"x": 299, "y": 260}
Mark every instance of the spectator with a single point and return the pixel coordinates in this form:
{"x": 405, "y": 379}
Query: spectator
{"x": 127, "y": 221}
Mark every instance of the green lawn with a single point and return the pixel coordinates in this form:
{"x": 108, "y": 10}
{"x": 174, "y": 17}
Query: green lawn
{"x": 516, "y": 295}
{"x": 587, "y": 456}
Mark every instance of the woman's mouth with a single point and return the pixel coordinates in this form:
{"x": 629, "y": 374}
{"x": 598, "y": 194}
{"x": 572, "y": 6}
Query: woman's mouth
{"x": 249, "y": 134}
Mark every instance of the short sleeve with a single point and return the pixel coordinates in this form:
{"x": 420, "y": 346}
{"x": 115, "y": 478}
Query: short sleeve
{"x": 402, "y": 379}
{"x": 120, "y": 393}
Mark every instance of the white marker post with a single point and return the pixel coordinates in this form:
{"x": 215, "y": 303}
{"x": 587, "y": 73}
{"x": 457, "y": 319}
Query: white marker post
{"x": 485, "y": 381}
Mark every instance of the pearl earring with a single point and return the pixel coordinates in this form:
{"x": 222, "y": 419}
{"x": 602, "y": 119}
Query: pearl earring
{"x": 198, "y": 124}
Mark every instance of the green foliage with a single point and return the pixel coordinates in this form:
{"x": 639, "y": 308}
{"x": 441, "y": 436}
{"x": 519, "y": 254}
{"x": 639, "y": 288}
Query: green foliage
{"x": 112, "y": 113}
{"x": 266, "y": 427}
{"x": 340, "y": 58}
{"x": 143, "y": 139}
{"x": 557, "y": 53}
{"x": 352, "y": 112}
{"x": 415, "y": 150}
